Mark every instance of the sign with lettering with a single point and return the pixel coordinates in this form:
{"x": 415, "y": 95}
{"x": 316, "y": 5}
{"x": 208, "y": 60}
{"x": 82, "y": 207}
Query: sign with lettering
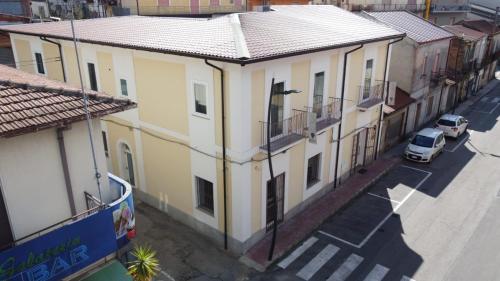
{"x": 61, "y": 252}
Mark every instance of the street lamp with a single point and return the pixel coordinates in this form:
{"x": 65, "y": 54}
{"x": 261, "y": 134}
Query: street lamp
{"x": 270, "y": 164}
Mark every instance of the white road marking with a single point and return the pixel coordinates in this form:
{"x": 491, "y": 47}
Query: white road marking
{"x": 360, "y": 245}
{"x": 317, "y": 262}
{"x": 383, "y": 197}
{"x": 406, "y": 278}
{"x": 456, "y": 146}
{"x": 378, "y": 273}
{"x": 167, "y": 275}
{"x": 346, "y": 268}
{"x": 298, "y": 252}
{"x": 484, "y": 99}
{"x": 496, "y": 100}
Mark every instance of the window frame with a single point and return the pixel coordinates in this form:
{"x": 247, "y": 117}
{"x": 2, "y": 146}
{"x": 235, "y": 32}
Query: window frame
{"x": 317, "y": 178}
{"x": 365, "y": 72}
{"x": 207, "y": 103}
{"x": 121, "y": 87}
{"x": 200, "y": 204}
{"x": 94, "y": 76}
{"x": 105, "y": 143}
{"x": 40, "y": 64}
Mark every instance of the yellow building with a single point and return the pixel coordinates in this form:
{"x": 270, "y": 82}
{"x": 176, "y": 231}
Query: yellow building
{"x": 171, "y": 148}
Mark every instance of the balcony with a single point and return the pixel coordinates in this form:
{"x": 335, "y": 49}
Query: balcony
{"x": 370, "y": 96}
{"x": 437, "y": 77}
{"x": 285, "y": 132}
{"x": 449, "y": 8}
{"x": 75, "y": 243}
{"x": 326, "y": 115}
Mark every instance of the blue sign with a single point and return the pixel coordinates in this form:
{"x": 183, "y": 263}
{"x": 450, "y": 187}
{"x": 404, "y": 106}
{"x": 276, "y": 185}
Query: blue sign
{"x": 61, "y": 252}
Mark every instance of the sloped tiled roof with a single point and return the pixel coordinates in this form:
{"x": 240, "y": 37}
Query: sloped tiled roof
{"x": 481, "y": 25}
{"x": 30, "y": 103}
{"x": 464, "y": 32}
{"x": 240, "y": 38}
{"x": 416, "y": 28}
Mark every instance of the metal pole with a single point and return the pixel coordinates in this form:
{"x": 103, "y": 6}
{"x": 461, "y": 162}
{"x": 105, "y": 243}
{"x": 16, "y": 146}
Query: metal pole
{"x": 87, "y": 113}
{"x": 271, "y": 174}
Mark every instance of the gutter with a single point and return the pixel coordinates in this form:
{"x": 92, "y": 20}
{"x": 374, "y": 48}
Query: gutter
{"x": 224, "y": 181}
{"x": 342, "y": 114}
{"x": 60, "y": 54}
{"x": 241, "y": 61}
{"x": 64, "y": 162}
{"x": 379, "y": 131}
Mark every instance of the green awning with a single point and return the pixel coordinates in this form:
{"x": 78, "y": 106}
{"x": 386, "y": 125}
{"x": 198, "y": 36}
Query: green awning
{"x": 113, "y": 271}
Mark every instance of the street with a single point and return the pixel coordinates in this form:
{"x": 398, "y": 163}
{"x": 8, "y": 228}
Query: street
{"x": 420, "y": 222}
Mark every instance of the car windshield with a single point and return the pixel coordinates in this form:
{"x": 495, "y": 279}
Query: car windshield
{"x": 445, "y": 122}
{"x": 423, "y": 141}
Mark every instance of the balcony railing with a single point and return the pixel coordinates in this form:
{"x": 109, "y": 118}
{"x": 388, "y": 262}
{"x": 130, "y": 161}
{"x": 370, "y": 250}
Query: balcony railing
{"x": 386, "y": 7}
{"x": 326, "y": 115}
{"x": 284, "y": 132}
{"x": 371, "y": 96}
{"x": 445, "y": 8}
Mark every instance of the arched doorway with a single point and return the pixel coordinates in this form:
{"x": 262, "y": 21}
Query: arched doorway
{"x": 127, "y": 164}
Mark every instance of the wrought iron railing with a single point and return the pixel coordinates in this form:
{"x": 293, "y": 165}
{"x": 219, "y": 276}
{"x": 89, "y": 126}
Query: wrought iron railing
{"x": 91, "y": 201}
{"x": 289, "y": 127}
{"x": 371, "y": 95}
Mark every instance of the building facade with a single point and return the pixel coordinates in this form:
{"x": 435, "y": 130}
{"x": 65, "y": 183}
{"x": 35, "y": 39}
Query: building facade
{"x": 447, "y": 12}
{"x": 171, "y": 147}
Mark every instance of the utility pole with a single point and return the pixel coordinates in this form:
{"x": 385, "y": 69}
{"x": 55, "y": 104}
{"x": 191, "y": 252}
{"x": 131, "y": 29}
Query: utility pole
{"x": 427, "y": 9}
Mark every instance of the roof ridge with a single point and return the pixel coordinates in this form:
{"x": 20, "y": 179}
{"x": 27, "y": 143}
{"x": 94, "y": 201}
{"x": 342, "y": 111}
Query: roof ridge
{"x": 239, "y": 37}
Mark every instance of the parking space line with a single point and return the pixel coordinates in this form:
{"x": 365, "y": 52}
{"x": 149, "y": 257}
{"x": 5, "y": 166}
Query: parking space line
{"x": 496, "y": 100}
{"x": 378, "y": 273}
{"x": 339, "y": 239}
{"x": 382, "y": 197}
{"x": 350, "y": 264}
{"x": 457, "y": 145}
{"x": 317, "y": 262}
{"x": 298, "y": 252}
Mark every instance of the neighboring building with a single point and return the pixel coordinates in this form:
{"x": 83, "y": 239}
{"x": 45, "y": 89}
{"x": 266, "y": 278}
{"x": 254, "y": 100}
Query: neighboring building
{"x": 492, "y": 53}
{"x": 465, "y": 58}
{"x": 261, "y": 5}
{"x": 395, "y": 118}
{"x": 49, "y": 195}
{"x": 171, "y": 147}
{"x": 415, "y": 6}
{"x": 447, "y": 12}
{"x": 418, "y": 64}
{"x": 484, "y": 9}
{"x": 204, "y": 8}
{"x": 20, "y": 8}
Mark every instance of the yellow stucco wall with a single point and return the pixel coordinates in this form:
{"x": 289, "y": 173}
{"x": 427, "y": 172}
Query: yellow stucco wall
{"x": 54, "y": 69}
{"x": 381, "y": 51}
{"x": 218, "y": 108}
{"x": 256, "y": 196}
{"x": 106, "y": 73}
{"x": 24, "y": 56}
{"x": 296, "y": 183}
{"x": 356, "y": 65}
{"x": 220, "y": 194}
{"x": 327, "y": 157}
{"x": 258, "y": 80}
{"x": 349, "y": 126}
{"x": 167, "y": 168}
{"x": 300, "y": 81}
{"x": 162, "y": 98}
{"x": 334, "y": 60}
{"x": 71, "y": 66}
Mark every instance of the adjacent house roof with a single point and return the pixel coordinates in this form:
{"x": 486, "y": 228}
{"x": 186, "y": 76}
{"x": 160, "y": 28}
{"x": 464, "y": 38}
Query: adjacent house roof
{"x": 416, "y": 28}
{"x": 481, "y": 25}
{"x": 465, "y": 33}
{"x": 241, "y": 38}
{"x": 30, "y": 103}
{"x": 401, "y": 100}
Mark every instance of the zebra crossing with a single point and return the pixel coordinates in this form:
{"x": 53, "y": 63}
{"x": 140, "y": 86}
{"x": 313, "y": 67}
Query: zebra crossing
{"x": 310, "y": 268}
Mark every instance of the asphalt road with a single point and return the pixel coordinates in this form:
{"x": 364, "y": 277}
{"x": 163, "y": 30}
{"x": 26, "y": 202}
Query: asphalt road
{"x": 422, "y": 222}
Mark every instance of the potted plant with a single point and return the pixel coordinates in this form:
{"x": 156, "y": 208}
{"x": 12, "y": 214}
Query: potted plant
{"x": 145, "y": 266}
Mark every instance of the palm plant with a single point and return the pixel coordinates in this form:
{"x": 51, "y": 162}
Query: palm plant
{"x": 145, "y": 266}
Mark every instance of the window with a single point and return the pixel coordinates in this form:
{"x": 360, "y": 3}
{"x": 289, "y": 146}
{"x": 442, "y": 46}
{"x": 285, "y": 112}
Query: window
{"x": 435, "y": 67}
{"x": 277, "y": 104}
{"x": 319, "y": 85}
{"x": 92, "y": 76}
{"x": 205, "y": 192}
{"x": 313, "y": 170}
{"x": 105, "y": 142}
{"x": 200, "y": 98}
{"x": 368, "y": 79}
{"x": 39, "y": 63}
{"x": 123, "y": 86}
{"x": 430, "y": 105}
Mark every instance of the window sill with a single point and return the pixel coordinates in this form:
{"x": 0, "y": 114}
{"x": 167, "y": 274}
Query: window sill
{"x": 205, "y": 211}
{"x": 312, "y": 183}
{"x": 201, "y": 115}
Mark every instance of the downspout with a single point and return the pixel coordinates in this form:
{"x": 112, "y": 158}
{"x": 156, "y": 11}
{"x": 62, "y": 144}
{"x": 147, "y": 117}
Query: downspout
{"x": 223, "y": 113}
{"x": 379, "y": 131}
{"x": 342, "y": 95}
{"x": 60, "y": 55}
{"x": 64, "y": 162}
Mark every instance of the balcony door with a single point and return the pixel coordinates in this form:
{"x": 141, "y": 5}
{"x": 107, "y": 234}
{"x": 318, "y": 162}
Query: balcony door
{"x": 280, "y": 201}
{"x": 5, "y": 232}
{"x": 367, "y": 83}
{"x": 127, "y": 164}
{"x": 319, "y": 85}
{"x": 277, "y": 105}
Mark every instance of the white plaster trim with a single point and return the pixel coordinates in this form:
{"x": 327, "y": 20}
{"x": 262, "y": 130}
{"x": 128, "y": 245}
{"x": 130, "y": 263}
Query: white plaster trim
{"x": 239, "y": 37}
{"x": 164, "y": 131}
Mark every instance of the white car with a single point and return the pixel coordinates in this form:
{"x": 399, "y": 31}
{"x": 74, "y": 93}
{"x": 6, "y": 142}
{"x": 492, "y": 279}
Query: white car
{"x": 452, "y": 125}
{"x": 425, "y": 145}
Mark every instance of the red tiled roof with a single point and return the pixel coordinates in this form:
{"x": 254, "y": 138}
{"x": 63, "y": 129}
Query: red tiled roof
{"x": 481, "y": 25}
{"x": 464, "y": 32}
{"x": 402, "y": 100}
{"x": 416, "y": 28}
{"x": 31, "y": 103}
{"x": 241, "y": 38}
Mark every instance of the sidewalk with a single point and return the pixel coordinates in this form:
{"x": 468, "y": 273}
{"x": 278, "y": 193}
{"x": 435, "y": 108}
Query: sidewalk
{"x": 299, "y": 227}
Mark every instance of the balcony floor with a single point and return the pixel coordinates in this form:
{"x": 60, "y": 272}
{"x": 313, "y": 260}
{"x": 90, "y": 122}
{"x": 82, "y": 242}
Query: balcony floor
{"x": 369, "y": 103}
{"x": 321, "y": 124}
{"x": 283, "y": 141}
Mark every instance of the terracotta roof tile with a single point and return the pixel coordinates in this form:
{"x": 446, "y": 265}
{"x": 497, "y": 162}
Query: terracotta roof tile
{"x": 30, "y": 103}
{"x": 465, "y": 33}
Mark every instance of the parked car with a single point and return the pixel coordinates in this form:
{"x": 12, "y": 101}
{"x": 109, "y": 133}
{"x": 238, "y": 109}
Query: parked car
{"x": 425, "y": 145}
{"x": 452, "y": 125}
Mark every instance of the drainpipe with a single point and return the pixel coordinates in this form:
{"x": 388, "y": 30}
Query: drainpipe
{"x": 342, "y": 95}
{"x": 379, "y": 129}
{"x": 223, "y": 113}
{"x": 64, "y": 162}
{"x": 60, "y": 54}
